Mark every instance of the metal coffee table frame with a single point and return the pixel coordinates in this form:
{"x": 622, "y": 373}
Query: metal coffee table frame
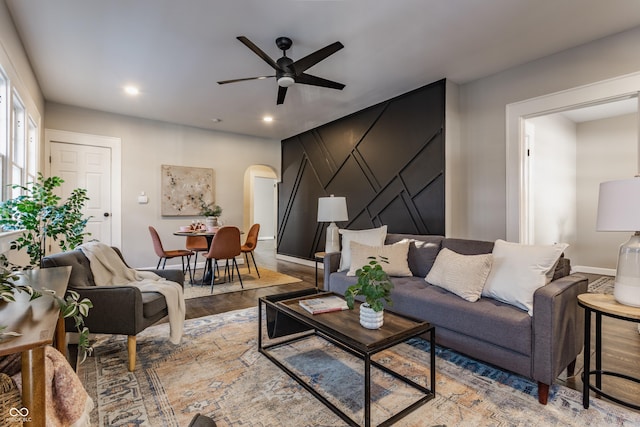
{"x": 316, "y": 326}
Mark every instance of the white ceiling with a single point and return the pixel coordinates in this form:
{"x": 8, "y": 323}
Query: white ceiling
{"x": 85, "y": 51}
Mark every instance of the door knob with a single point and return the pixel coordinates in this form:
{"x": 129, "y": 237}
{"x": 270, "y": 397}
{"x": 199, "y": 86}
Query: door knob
{"x": 106, "y": 214}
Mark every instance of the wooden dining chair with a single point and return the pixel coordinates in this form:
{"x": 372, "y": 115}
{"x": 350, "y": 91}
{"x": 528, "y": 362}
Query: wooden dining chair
{"x": 225, "y": 246}
{"x": 249, "y": 246}
{"x": 196, "y": 244}
{"x": 164, "y": 255}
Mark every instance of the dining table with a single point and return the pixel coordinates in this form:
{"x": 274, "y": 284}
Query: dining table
{"x": 209, "y": 236}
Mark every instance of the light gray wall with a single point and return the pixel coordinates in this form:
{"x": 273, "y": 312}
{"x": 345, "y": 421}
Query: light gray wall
{"x": 483, "y": 103}
{"x": 16, "y": 65}
{"x": 146, "y": 145}
{"x": 553, "y": 182}
{"x": 607, "y": 150}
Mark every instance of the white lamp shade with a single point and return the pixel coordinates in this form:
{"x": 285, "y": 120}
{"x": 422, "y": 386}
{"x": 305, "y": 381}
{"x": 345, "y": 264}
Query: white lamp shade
{"x": 331, "y": 209}
{"x": 619, "y": 205}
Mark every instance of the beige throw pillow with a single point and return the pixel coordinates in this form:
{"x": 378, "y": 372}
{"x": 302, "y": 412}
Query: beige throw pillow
{"x": 371, "y": 237}
{"x": 397, "y": 257}
{"x": 463, "y": 275}
{"x": 518, "y": 270}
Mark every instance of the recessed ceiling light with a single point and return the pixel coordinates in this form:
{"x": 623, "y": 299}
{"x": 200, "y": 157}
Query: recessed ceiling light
{"x": 267, "y": 119}
{"x": 131, "y": 90}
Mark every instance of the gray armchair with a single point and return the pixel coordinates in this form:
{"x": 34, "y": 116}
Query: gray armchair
{"x": 122, "y": 310}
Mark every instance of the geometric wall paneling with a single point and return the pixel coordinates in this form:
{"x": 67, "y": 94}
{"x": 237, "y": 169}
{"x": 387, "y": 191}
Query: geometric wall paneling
{"x": 343, "y": 136}
{"x": 424, "y": 167}
{"x": 300, "y": 235}
{"x": 387, "y": 160}
{"x": 430, "y": 204}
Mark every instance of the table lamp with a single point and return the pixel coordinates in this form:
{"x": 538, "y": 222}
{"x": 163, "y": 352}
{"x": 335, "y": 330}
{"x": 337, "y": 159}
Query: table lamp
{"x": 332, "y": 209}
{"x": 619, "y": 210}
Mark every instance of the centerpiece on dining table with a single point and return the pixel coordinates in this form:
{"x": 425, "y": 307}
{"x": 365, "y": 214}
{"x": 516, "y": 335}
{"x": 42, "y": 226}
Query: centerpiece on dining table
{"x": 212, "y": 213}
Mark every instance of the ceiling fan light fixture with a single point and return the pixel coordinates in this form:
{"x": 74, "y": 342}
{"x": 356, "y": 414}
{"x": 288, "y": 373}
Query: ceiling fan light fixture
{"x": 285, "y": 81}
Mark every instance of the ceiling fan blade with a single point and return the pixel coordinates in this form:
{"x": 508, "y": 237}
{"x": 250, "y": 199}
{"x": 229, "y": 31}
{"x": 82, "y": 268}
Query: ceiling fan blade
{"x": 223, "y": 82}
{"x": 308, "y": 79}
{"x": 258, "y": 52}
{"x": 302, "y": 64}
{"x": 282, "y": 92}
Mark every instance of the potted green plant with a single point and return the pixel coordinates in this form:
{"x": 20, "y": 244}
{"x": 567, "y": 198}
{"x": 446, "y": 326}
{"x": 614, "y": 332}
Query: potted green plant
{"x": 374, "y": 284}
{"x": 211, "y": 211}
{"x": 39, "y": 212}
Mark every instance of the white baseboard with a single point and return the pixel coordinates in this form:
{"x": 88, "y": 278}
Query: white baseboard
{"x": 299, "y": 260}
{"x": 593, "y": 270}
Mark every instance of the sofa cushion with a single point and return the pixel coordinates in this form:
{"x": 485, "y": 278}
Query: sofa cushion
{"x": 153, "y": 303}
{"x": 423, "y": 250}
{"x": 372, "y": 237}
{"x": 518, "y": 270}
{"x": 468, "y": 247}
{"x": 396, "y": 258}
{"x": 463, "y": 275}
{"x": 494, "y": 321}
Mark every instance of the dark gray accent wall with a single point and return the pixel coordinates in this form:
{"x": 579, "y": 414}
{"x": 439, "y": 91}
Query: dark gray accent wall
{"x": 387, "y": 160}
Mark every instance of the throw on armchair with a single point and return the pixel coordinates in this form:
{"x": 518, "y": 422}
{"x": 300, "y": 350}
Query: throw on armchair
{"x": 122, "y": 310}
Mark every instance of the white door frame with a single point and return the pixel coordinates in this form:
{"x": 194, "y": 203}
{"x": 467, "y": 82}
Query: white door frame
{"x": 516, "y": 114}
{"x": 114, "y": 143}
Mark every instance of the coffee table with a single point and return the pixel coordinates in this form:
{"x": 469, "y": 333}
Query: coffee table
{"x": 343, "y": 329}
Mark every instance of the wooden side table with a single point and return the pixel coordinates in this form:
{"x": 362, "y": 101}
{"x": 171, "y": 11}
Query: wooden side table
{"x": 602, "y": 305}
{"x": 37, "y": 321}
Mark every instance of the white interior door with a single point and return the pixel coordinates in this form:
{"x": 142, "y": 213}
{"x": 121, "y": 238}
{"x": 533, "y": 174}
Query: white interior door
{"x": 264, "y": 206}
{"x": 84, "y": 166}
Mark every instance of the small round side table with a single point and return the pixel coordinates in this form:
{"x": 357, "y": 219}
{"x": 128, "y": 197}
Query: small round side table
{"x": 602, "y": 305}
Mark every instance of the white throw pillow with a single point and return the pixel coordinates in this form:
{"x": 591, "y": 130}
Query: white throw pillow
{"x": 518, "y": 270}
{"x": 371, "y": 237}
{"x": 397, "y": 262}
{"x": 463, "y": 275}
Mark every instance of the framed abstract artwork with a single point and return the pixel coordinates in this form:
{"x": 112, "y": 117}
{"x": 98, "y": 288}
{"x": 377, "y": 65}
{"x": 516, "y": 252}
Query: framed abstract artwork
{"x": 184, "y": 189}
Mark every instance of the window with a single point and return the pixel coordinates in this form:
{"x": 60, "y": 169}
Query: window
{"x": 4, "y": 129}
{"x": 19, "y": 140}
{"x": 18, "y": 144}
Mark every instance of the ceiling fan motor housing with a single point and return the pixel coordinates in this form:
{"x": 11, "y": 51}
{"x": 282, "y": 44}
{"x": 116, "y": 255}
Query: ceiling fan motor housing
{"x": 285, "y": 75}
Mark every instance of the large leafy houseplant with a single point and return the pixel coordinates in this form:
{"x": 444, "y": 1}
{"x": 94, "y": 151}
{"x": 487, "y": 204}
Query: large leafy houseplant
{"x": 373, "y": 283}
{"x": 39, "y": 212}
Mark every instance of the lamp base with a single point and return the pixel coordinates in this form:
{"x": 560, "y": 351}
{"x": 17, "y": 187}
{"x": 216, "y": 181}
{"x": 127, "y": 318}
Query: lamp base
{"x": 627, "y": 294}
{"x": 332, "y": 244}
{"x": 627, "y": 284}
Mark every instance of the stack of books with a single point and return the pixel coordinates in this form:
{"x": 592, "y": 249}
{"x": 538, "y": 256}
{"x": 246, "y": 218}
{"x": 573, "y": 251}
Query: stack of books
{"x": 324, "y": 304}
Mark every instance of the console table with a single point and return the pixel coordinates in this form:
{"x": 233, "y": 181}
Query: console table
{"x": 38, "y": 321}
{"x": 602, "y": 305}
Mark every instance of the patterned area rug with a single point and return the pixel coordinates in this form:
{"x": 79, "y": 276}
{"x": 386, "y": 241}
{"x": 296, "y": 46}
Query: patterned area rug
{"x": 249, "y": 281}
{"x": 218, "y": 371}
{"x": 602, "y": 285}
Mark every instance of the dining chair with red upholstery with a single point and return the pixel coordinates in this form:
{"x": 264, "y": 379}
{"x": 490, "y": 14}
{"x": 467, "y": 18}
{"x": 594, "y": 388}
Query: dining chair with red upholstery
{"x": 164, "y": 255}
{"x": 225, "y": 246}
{"x": 250, "y": 245}
{"x": 196, "y": 244}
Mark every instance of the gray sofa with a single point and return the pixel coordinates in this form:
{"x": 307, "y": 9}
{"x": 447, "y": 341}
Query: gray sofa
{"x": 539, "y": 347}
{"x": 119, "y": 310}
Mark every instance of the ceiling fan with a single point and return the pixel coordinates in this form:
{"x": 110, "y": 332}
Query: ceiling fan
{"x": 288, "y": 71}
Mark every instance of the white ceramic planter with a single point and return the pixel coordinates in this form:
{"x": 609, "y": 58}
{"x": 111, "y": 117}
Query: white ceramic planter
{"x": 370, "y": 319}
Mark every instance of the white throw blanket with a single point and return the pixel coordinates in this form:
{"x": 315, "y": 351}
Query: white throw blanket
{"x": 109, "y": 270}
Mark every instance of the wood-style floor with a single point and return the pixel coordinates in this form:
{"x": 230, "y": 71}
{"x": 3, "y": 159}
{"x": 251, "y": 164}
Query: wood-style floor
{"x": 620, "y": 339}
